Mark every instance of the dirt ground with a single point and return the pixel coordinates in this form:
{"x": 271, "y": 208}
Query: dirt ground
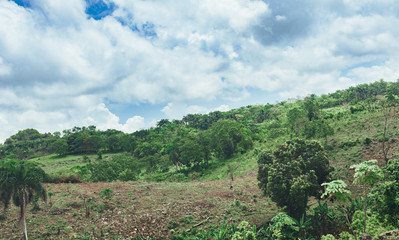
{"x": 145, "y": 209}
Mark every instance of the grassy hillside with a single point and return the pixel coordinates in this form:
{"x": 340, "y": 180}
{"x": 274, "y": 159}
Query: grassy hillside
{"x": 184, "y": 173}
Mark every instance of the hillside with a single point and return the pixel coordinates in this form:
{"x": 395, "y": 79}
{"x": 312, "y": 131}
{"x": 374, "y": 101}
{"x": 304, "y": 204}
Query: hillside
{"x": 177, "y": 176}
{"x": 145, "y": 209}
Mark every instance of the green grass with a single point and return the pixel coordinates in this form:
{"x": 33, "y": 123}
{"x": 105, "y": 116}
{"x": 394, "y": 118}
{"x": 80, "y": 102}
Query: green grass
{"x": 55, "y": 165}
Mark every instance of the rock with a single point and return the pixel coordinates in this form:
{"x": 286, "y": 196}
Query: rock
{"x": 391, "y": 235}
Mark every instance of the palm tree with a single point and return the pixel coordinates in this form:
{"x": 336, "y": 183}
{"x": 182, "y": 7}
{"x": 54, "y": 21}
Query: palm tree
{"x": 20, "y": 182}
{"x": 5, "y": 191}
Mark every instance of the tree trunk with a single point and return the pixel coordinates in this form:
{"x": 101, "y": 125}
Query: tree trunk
{"x": 365, "y": 213}
{"x": 385, "y": 144}
{"x": 347, "y": 220}
{"x": 23, "y": 214}
{"x": 4, "y": 216}
{"x": 24, "y": 228}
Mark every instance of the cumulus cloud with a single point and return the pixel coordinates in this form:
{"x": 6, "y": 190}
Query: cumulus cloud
{"x": 57, "y": 120}
{"x": 101, "y": 117}
{"x": 177, "y": 111}
{"x": 60, "y": 63}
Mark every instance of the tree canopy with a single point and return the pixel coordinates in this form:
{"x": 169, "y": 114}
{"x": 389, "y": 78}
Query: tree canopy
{"x": 292, "y": 173}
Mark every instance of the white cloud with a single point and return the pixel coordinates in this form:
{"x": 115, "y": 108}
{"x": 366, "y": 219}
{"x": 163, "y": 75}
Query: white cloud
{"x": 222, "y": 108}
{"x": 57, "y": 120}
{"x": 280, "y": 18}
{"x": 178, "y": 110}
{"x": 101, "y": 117}
{"x": 388, "y": 71}
{"x": 57, "y": 66}
{"x": 238, "y": 14}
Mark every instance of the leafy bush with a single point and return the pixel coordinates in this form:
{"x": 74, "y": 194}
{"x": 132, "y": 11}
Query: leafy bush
{"x": 225, "y": 232}
{"x": 106, "y": 193}
{"x": 324, "y": 220}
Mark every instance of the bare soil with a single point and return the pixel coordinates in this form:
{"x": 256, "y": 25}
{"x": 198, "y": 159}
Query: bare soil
{"x": 141, "y": 209}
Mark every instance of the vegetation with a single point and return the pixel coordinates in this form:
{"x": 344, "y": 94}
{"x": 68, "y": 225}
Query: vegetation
{"x": 21, "y": 182}
{"x": 205, "y": 166}
{"x": 293, "y": 173}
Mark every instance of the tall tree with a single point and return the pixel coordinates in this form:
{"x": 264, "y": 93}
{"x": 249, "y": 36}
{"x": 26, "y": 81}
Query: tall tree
{"x": 296, "y": 120}
{"x": 20, "y": 182}
{"x": 366, "y": 173}
{"x": 312, "y": 107}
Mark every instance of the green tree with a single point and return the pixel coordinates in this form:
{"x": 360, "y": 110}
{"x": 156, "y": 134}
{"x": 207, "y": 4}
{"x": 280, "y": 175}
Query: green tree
{"x": 21, "y": 181}
{"x": 385, "y": 195}
{"x": 294, "y": 173}
{"x": 296, "y": 120}
{"x": 229, "y": 137}
{"x": 60, "y": 147}
{"x": 5, "y": 191}
{"x": 191, "y": 151}
{"x": 312, "y": 107}
{"x": 324, "y": 130}
{"x": 366, "y": 173}
{"x": 337, "y": 189}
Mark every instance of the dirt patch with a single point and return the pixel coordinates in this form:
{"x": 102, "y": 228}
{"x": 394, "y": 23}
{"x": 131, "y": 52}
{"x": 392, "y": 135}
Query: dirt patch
{"x": 145, "y": 209}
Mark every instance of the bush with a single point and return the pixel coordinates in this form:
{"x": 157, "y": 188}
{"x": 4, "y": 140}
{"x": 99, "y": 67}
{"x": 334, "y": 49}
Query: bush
{"x": 106, "y": 193}
{"x": 367, "y": 141}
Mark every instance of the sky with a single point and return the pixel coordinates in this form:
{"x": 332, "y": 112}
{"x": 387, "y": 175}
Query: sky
{"x": 126, "y": 64}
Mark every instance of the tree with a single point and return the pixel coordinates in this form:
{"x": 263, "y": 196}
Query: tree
{"x": 60, "y": 147}
{"x": 293, "y": 173}
{"x": 385, "y": 194}
{"x": 20, "y": 182}
{"x": 229, "y": 137}
{"x": 388, "y": 106}
{"x": 296, "y": 119}
{"x": 324, "y": 130}
{"x": 312, "y": 107}
{"x": 5, "y": 192}
{"x": 337, "y": 189}
{"x": 163, "y": 122}
{"x": 366, "y": 173}
{"x": 191, "y": 151}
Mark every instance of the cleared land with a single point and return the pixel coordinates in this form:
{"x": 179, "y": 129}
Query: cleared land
{"x": 145, "y": 209}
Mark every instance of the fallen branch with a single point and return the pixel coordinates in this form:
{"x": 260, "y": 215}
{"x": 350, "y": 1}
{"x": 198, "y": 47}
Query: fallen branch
{"x": 198, "y": 224}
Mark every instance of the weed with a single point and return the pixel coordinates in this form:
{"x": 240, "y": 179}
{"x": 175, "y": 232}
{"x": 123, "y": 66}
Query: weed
{"x": 106, "y": 193}
{"x": 172, "y": 224}
{"x": 186, "y": 219}
{"x": 237, "y": 203}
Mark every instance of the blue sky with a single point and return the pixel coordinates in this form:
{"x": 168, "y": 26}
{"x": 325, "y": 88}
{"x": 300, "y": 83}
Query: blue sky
{"x": 127, "y": 64}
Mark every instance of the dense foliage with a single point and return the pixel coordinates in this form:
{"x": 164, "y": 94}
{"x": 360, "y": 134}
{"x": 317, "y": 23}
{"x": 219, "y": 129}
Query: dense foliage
{"x": 293, "y": 173}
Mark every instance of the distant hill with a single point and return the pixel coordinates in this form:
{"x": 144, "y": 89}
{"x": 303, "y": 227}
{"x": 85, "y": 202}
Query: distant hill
{"x": 348, "y": 122}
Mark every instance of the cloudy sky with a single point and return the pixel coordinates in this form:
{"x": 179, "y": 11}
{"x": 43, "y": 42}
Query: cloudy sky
{"x": 126, "y": 64}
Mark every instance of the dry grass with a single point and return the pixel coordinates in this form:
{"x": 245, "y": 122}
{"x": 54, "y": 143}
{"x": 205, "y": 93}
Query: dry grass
{"x": 145, "y": 209}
